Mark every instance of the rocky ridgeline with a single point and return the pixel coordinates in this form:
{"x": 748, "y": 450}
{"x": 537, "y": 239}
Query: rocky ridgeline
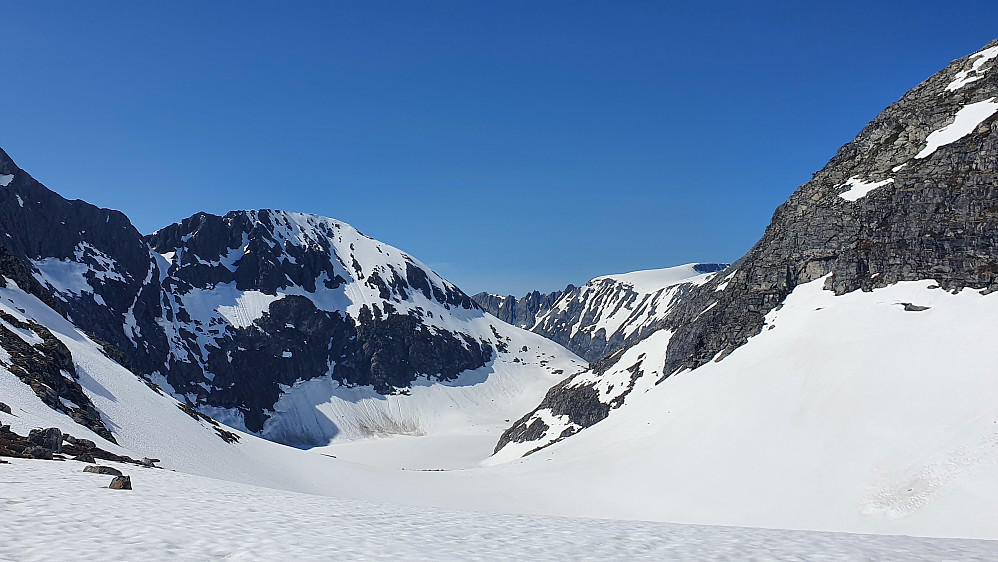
{"x": 305, "y": 296}
{"x": 913, "y": 197}
{"x": 602, "y": 316}
{"x": 521, "y": 312}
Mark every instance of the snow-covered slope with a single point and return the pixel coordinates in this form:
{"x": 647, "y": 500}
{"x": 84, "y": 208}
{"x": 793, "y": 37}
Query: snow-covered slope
{"x": 912, "y": 198}
{"x": 239, "y": 522}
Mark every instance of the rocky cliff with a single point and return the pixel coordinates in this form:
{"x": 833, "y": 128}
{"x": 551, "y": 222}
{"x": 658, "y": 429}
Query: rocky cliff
{"x": 913, "y": 197}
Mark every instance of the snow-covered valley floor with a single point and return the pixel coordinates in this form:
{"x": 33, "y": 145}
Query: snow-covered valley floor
{"x": 54, "y": 511}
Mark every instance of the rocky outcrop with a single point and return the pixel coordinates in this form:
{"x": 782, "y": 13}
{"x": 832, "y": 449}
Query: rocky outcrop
{"x": 913, "y": 197}
{"x": 41, "y": 361}
{"x": 612, "y": 312}
{"x": 521, "y": 312}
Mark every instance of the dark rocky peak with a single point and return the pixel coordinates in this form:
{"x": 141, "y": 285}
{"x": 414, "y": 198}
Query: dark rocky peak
{"x": 270, "y": 250}
{"x": 92, "y": 261}
{"x": 521, "y": 312}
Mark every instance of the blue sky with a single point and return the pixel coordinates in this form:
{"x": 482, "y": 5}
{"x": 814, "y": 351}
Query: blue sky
{"x": 508, "y": 145}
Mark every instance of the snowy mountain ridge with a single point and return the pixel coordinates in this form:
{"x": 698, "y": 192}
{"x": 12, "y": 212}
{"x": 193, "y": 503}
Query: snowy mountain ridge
{"x": 250, "y": 316}
{"x": 604, "y": 314}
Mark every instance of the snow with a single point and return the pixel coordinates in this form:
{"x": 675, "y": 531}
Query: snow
{"x": 859, "y": 188}
{"x": 651, "y": 280}
{"x": 173, "y": 516}
{"x": 248, "y": 308}
{"x": 897, "y": 436}
{"x": 473, "y": 408}
{"x": 20, "y": 201}
{"x": 5, "y": 179}
{"x": 851, "y": 414}
{"x": 64, "y": 276}
{"x": 964, "y": 123}
{"x": 976, "y": 72}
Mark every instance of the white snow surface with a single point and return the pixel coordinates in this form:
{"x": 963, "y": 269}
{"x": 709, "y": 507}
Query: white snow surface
{"x": 859, "y": 188}
{"x": 976, "y": 71}
{"x": 652, "y": 280}
{"x": 173, "y": 516}
{"x": 5, "y": 179}
{"x": 964, "y": 123}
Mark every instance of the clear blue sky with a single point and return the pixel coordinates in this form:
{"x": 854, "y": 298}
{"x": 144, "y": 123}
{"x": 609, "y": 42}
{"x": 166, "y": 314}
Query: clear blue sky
{"x": 509, "y": 145}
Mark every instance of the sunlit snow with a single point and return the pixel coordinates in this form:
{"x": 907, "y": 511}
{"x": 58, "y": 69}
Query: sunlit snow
{"x": 976, "y": 72}
{"x": 964, "y": 123}
{"x": 859, "y": 188}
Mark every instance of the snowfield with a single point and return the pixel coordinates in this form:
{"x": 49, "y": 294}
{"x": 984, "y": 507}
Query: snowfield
{"x": 173, "y": 516}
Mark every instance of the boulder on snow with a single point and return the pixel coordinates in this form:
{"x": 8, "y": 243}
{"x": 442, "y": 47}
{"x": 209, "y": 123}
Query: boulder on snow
{"x": 85, "y": 457}
{"x": 50, "y": 438}
{"x": 82, "y": 443}
{"x": 121, "y": 483}
{"x": 149, "y": 463}
{"x": 97, "y": 469}
{"x": 40, "y": 453}
{"x": 5, "y": 408}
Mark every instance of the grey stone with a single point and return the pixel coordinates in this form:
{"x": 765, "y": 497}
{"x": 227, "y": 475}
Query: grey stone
{"x": 50, "y": 438}
{"x": 97, "y": 469}
{"x": 85, "y": 457}
{"x": 40, "y": 453}
{"x": 121, "y": 483}
{"x": 5, "y": 408}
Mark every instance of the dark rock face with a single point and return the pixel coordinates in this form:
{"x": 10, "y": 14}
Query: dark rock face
{"x": 522, "y": 312}
{"x": 935, "y": 216}
{"x": 159, "y": 317}
{"x": 5, "y": 408}
{"x": 50, "y": 438}
{"x": 244, "y": 367}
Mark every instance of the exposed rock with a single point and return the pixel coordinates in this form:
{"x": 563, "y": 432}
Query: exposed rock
{"x": 521, "y": 312}
{"x": 85, "y": 457}
{"x": 47, "y": 367}
{"x": 50, "y": 438}
{"x": 82, "y": 443}
{"x": 919, "y": 216}
{"x": 121, "y": 483}
{"x": 40, "y": 453}
{"x": 5, "y": 408}
{"x": 149, "y": 463}
{"x": 98, "y": 469}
